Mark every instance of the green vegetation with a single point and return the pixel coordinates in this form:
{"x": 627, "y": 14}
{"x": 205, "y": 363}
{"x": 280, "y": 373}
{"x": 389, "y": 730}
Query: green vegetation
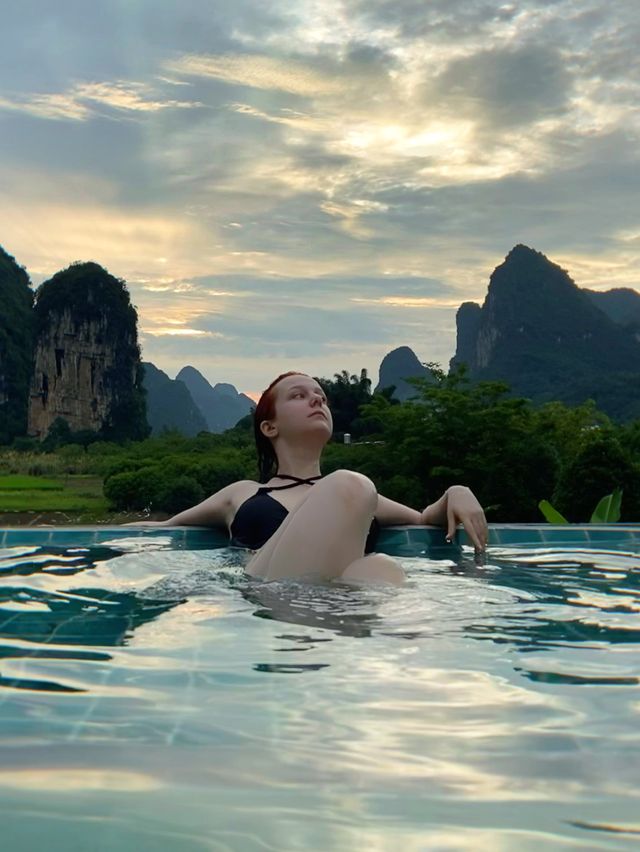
{"x": 32, "y": 493}
{"x": 512, "y": 454}
{"x": 607, "y": 511}
{"x": 16, "y": 354}
{"x": 346, "y": 395}
{"x": 28, "y": 483}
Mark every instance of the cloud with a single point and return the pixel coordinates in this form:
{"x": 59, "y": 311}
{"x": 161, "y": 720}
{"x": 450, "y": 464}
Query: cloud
{"x": 504, "y": 88}
{"x": 168, "y": 331}
{"x": 52, "y": 234}
{"x": 320, "y": 180}
{"x": 261, "y": 72}
{"x": 314, "y": 322}
{"x": 81, "y": 101}
{"x": 408, "y": 301}
{"x": 450, "y": 19}
{"x": 53, "y": 106}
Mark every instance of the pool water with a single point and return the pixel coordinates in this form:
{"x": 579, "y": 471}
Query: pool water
{"x": 156, "y": 699}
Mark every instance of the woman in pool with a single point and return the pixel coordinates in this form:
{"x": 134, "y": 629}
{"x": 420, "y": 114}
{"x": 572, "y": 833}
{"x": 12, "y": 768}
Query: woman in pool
{"x": 301, "y": 524}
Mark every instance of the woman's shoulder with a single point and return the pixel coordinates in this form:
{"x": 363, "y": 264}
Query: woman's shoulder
{"x": 239, "y": 491}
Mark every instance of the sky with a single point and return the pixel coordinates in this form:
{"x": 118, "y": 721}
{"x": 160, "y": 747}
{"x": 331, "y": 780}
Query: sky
{"x": 308, "y": 184}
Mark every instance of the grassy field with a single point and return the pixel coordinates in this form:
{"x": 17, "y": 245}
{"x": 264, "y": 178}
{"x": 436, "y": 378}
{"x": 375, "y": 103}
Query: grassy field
{"x": 81, "y": 494}
{"x": 29, "y": 483}
{"x": 27, "y": 500}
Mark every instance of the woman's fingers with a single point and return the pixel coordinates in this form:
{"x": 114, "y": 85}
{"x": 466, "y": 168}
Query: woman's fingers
{"x": 463, "y": 507}
{"x": 481, "y": 528}
{"x": 473, "y": 535}
{"x": 475, "y": 526}
{"x": 452, "y": 523}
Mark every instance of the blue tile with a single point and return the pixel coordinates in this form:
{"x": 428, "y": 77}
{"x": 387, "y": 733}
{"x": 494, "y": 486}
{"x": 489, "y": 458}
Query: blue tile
{"x": 400, "y": 541}
{"x": 567, "y": 535}
{"x": 72, "y": 537}
{"x": 605, "y": 535}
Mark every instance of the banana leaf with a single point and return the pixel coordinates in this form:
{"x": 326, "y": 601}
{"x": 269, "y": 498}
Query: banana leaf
{"x": 552, "y": 515}
{"x": 608, "y": 509}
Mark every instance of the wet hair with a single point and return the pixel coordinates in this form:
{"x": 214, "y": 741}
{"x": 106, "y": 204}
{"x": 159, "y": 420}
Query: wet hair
{"x": 266, "y": 410}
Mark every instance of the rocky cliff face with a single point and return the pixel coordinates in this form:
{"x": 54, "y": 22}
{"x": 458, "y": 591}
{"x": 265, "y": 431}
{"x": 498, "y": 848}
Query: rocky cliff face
{"x": 71, "y": 363}
{"x": 548, "y": 339}
{"x": 86, "y": 359}
{"x": 468, "y": 320}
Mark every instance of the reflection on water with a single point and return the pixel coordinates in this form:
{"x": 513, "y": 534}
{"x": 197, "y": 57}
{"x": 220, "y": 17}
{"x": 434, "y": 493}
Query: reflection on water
{"x": 491, "y": 706}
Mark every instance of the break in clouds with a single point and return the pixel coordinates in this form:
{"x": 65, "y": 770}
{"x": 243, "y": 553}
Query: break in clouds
{"x": 311, "y": 184}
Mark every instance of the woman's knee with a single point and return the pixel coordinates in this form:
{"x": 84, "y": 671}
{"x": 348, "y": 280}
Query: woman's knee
{"x": 352, "y": 487}
{"x": 374, "y": 568}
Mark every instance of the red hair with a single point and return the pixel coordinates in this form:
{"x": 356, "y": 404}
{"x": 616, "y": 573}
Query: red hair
{"x": 266, "y": 410}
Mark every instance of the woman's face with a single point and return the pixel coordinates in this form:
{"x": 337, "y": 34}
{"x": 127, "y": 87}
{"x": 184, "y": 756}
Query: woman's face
{"x": 301, "y": 407}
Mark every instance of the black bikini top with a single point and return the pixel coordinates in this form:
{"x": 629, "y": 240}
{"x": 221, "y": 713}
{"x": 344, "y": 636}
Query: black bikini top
{"x": 260, "y": 516}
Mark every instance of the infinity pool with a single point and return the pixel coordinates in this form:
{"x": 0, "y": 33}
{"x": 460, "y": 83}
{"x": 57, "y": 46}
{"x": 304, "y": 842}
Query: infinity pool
{"x": 152, "y": 698}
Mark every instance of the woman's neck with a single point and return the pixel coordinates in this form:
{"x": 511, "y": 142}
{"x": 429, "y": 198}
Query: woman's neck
{"x": 302, "y": 462}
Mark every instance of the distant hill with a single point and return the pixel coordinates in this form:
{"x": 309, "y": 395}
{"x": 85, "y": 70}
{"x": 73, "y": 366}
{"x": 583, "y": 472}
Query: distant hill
{"x": 550, "y": 340}
{"x": 170, "y": 405}
{"x": 396, "y": 367}
{"x": 621, "y": 304}
{"x": 16, "y": 345}
{"x": 221, "y": 405}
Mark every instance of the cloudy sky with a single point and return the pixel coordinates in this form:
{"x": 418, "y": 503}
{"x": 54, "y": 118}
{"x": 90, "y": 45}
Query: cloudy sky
{"x": 309, "y": 183}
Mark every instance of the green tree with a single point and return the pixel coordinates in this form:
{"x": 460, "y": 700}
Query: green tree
{"x": 135, "y": 489}
{"x": 58, "y": 435}
{"x": 474, "y": 434}
{"x": 179, "y": 494}
{"x": 599, "y": 466}
{"x": 562, "y": 426}
{"x": 16, "y": 347}
{"x": 346, "y": 394}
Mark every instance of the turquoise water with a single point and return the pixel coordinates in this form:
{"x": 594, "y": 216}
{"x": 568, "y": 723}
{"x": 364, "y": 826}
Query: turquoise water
{"x": 154, "y": 699}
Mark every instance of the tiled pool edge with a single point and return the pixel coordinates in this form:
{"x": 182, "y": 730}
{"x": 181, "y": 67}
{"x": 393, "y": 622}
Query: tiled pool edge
{"x": 399, "y": 541}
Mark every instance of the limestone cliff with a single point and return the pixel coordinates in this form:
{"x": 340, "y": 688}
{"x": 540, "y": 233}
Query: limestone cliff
{"x": 86, "y": 356}
{"x": 550, "y": 340}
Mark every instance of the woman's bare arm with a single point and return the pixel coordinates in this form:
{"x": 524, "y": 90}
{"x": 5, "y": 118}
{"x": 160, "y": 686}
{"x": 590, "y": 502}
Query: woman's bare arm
{"x": 215, "y": 511}
{"x": 458, "y": 505}
{"x": 388, "y": 512}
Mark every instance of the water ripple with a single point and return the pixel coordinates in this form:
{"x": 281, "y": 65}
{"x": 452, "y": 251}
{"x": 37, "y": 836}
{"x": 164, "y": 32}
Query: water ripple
{"x": 491, "y": 704}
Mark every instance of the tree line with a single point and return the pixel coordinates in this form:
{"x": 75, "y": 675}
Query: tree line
{"x": 511, "y": 453}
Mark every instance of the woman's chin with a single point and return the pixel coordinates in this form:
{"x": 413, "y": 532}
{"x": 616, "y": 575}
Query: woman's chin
{"x": 321, "y": 429}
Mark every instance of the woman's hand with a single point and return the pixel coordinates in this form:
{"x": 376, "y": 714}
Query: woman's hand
{"x": 464, "y": 508}
{"x": 458, "y": 505}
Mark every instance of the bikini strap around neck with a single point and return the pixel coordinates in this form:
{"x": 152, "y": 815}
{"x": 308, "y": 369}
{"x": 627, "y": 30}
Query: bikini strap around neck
{"x": 296, "y": 481}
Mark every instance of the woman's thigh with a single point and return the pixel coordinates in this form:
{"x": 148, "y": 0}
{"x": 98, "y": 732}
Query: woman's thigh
{"x": 324, "y": 534}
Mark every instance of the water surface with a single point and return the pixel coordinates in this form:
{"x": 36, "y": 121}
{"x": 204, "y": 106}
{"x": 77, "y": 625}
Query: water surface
{"x": 154, "y": 699}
